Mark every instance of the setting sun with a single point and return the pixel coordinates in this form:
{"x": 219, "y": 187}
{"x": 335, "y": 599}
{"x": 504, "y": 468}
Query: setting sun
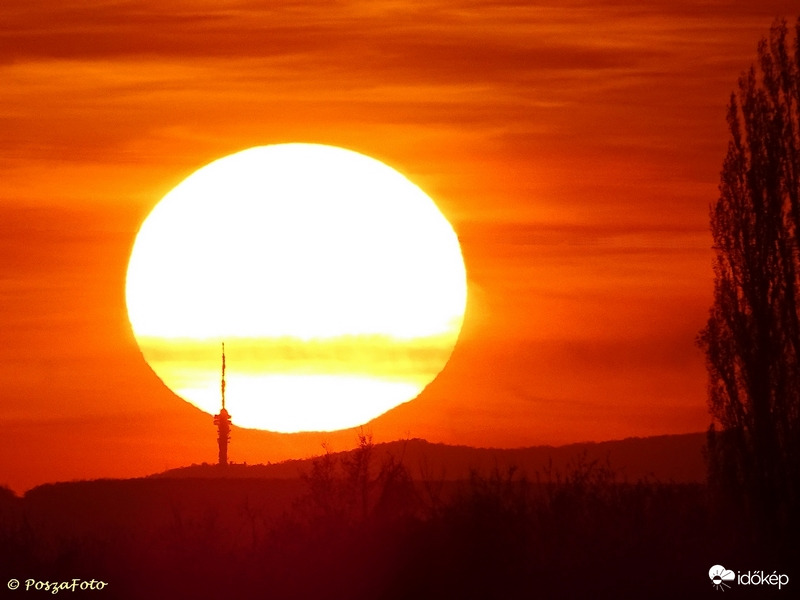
{"x": 336, "y": 283}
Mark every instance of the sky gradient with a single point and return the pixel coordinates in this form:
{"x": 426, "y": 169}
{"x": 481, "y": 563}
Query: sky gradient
{"x": 574, "y": 147}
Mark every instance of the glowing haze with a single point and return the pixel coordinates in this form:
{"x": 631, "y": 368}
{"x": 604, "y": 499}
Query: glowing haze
{"x": 574, "y": 146}
{"x": 336, "y": 283}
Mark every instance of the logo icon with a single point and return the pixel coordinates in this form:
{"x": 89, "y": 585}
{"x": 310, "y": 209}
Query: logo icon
{"x": 719, "y": 575}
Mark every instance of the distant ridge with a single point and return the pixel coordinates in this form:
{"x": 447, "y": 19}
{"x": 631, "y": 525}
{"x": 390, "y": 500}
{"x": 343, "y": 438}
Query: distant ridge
{"x": 666, "y": 458}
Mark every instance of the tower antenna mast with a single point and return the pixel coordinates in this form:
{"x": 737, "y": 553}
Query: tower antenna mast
{"x": 223, "y": 376}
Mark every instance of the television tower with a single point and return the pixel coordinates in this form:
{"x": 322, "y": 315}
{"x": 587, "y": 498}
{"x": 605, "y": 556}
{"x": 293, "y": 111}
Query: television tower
{"x": 223, "y": 421}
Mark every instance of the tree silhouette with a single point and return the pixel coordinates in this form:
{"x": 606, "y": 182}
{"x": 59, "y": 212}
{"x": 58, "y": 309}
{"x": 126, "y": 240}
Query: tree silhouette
{"x": 752, "y": 339}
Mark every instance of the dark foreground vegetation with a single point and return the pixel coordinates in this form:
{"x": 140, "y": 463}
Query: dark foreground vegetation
{"x": 354, "y": 527}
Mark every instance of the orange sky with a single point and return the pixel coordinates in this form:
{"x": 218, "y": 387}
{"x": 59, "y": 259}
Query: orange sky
{"x": 575, "y": 149}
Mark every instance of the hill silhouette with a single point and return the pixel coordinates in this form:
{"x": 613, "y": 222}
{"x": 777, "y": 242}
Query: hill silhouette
{"x": 667, "y": 458}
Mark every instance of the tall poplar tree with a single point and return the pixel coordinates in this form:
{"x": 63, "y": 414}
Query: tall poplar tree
{"x": 752, "y": 339}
